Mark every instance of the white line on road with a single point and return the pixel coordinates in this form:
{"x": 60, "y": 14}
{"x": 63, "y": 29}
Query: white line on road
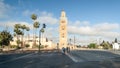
{"x": 16, "y": 58}
{"x": 73, "y": 58}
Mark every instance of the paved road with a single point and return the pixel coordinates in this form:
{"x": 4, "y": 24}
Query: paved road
{"x": 36, "y": 60}
{"x": 93, "y": 55}
{"x": 58, "y": 60}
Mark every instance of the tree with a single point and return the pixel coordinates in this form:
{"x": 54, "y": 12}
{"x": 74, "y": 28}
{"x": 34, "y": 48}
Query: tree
{"x": 5, "y": 38}
{"x": 42, "y": 30}
{"x": 106, "y": 45}
{"x": 92, "y": 45}
{"x": 35, "y": 24}
{"x": 23, "y": 27}
{"x": 17, "y": 31}
{"x": 34, "y": 16}
{"x": 28, "y": 29}
{"x": 1, "y": 39}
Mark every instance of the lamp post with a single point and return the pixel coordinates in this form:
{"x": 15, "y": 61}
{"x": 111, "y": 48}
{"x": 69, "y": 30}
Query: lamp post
{"x": 39, "y": 40}
{"x": 41, "y": 30}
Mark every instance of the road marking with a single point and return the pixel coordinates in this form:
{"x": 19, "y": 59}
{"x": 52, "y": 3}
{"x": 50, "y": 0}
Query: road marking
{"x": 73, "y": 58}
{"x": 16, "y": 58}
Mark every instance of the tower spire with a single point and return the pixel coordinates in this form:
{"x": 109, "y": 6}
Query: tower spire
{"x": 63, "y": 13}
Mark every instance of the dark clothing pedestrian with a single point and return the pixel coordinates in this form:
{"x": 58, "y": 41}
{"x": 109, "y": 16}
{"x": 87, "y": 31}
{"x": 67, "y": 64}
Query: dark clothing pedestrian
{"x": 63, "y": 50}
{"x": 67, "y": 50}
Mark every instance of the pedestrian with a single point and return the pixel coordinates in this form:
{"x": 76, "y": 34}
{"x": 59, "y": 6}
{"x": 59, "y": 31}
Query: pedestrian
{"x": 63, "y": 50}
{"x": 67, "y": 49}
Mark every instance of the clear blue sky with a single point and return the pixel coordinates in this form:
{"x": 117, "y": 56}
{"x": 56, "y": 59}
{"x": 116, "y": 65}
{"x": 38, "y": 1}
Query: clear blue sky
{"x": 95, "y": 12}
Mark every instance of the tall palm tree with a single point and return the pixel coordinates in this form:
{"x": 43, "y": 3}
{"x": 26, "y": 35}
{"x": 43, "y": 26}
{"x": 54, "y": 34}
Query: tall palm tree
{"x": 42, "y": 31}
{"x": 18, "y": 32}
{"x": 23, "y": 27}
{"x": 35, "y": 24}
{"x": 28, "y": 29}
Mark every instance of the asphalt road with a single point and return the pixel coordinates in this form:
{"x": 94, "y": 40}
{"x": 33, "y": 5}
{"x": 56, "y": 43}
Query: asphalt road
{"x": 95, "y": 58}
{"x": 58, "y": 60}
{"x": 35, "y": 60}
{"x": 93, "y": 55}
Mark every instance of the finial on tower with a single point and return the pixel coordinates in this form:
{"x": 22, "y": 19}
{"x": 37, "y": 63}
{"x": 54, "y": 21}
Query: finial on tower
{"x": 63, "y": 13}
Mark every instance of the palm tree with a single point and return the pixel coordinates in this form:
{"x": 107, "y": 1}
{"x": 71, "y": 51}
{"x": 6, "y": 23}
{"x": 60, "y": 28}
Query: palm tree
{"x": 35, "y": 24}
{"x": 42, "y": 31}
{"x": 23, "y": 27}
{"x": 34, "y": 16}
{"x": 28, "y": 29}
{"x": 1, "y": 39}
{"x": 17, "y": 31}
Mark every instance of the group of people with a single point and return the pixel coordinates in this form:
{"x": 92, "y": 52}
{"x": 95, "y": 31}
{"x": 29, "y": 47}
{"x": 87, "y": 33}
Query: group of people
{"x": 65, "y": 50}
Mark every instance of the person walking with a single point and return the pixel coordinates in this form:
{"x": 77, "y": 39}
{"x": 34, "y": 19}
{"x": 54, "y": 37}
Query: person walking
{"x": 63, "y": 50}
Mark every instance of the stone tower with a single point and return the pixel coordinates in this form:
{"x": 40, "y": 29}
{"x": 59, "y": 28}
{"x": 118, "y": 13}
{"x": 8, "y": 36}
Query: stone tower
{"x": 63, "y": 30}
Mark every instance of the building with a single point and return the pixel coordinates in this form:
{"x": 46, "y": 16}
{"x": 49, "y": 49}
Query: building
{"x": 63, "y": 30}
{"x": 115, "y": 45}
{"x": 29, "y": 40}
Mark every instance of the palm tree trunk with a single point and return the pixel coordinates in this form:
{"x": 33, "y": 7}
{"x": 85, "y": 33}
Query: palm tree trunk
{"x": 35, "y": 36}
{"x": 22, "y": 43}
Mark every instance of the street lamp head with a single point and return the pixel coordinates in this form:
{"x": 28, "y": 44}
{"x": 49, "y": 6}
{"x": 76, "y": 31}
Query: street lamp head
{"x": 44, "y": 25}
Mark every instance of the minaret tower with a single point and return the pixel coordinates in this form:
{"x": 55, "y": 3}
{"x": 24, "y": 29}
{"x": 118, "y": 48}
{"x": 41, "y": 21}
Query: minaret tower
{"x": 63, "y": 30}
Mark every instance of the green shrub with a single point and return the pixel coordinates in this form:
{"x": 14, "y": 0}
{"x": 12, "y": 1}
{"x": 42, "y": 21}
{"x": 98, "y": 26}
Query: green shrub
{"x": 18, "y": 47}
{"x": 92, "y": 45}
{"x": 27, "y": 45}
{"x": 13, "y": 46}
{"x": 41, "y": 46}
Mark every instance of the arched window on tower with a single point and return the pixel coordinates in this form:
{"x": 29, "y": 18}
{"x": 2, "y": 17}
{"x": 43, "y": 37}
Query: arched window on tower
{"x": 63, "y": 27}
{"x": 63, "y": 21}
{"x": 63, "y": 35}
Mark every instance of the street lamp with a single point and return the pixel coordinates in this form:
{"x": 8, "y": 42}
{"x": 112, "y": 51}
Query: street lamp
{"x": 39, "y": 39}
{"x": 44, "y": 26}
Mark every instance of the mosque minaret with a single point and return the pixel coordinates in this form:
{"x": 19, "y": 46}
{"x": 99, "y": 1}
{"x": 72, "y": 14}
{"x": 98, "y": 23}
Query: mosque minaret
{"x": 63, "y": 30}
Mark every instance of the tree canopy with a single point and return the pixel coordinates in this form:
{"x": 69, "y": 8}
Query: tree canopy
{"x": 5, "y": 38}
{"x": 36, "y": 24}
{"x": 92, "y": 45}
{"x": 34, "y": 16}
